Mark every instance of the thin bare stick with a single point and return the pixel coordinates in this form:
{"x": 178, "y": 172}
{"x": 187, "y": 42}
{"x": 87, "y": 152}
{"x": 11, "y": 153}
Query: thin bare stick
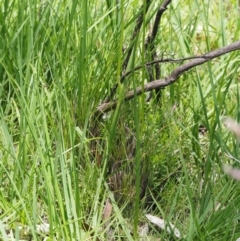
{"x": 136, "y": 31}
{"x": 151, "y": 47}
{"x": 157, "y": 21}
{"x": 167, "y": 60}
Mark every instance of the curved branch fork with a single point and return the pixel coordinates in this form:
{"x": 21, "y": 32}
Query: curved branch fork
{"x": 106, "y": 107}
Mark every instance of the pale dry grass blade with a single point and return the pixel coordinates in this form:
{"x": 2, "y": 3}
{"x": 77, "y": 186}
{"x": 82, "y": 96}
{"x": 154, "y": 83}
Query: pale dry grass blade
{"x": 106, "y": 218}
{"x": 232, "y": 125}
{"x": 161, "y": 223}
{"x": 233, "y": 172}
{"x": 107, "y": 210}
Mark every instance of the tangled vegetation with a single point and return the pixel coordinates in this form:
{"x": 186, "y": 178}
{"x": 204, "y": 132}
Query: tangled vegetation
{"x": 111, "y": 111}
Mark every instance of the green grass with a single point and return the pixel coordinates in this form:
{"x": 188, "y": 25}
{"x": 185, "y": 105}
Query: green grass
{"x": 58, "y": 61}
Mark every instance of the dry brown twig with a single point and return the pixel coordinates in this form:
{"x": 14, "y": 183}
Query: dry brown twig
{"x": 106, "y": 107}
{"x": 148, "y": 45}
{"x": 151, "y": 47}
{"x": 135, "y": 33}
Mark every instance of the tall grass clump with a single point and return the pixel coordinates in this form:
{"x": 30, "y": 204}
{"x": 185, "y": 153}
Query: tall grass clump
{"x": 79, "y": 159}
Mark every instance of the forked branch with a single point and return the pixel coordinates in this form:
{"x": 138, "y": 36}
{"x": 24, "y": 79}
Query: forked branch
{"x": 106, "y": 107}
